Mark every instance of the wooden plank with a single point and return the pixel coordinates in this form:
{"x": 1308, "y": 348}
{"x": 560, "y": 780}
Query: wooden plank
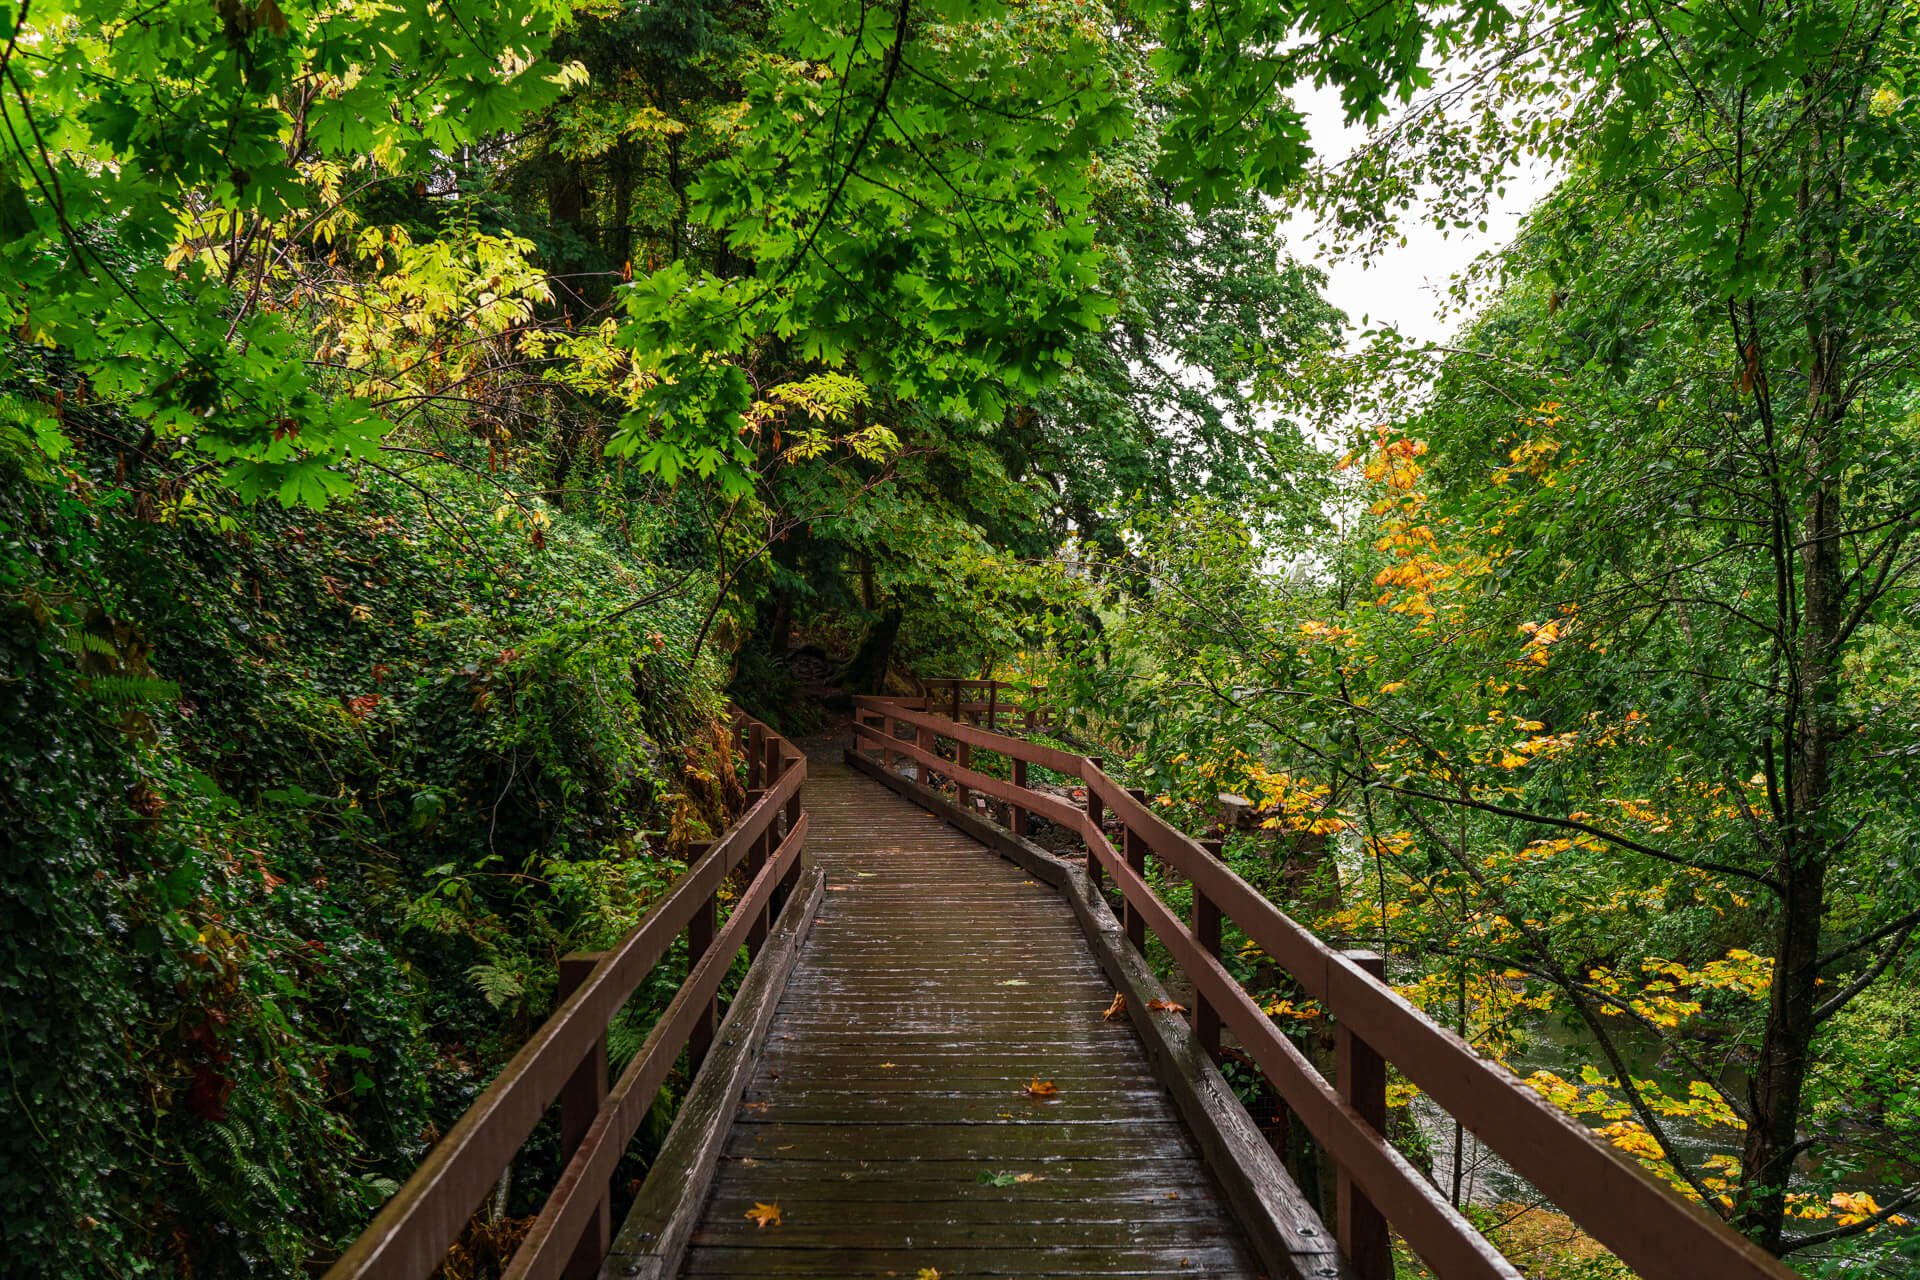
{"x": 1285, "y": 1230}
{"x": 906, "y": 1260}
{"x": 929, "y": 994}
{"x": 653, "y": 1239}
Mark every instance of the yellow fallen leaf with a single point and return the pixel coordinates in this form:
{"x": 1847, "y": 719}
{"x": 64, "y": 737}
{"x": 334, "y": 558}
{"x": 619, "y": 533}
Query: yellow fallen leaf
{"x": 926, "y": 1273}
{"x": 1041, "y": 1088}
{"x": 765, "y": 1214}
{"x": 1118, "y": 1007}
{"x": 887, "y": 1066}
{"x": 1029, "y": 1177}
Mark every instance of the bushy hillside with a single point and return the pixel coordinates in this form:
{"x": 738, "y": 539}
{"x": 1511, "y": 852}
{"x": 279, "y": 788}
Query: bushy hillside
{"x": 300, "y": 808}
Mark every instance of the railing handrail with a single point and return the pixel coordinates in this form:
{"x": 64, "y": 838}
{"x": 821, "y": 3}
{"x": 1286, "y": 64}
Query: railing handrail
{"x": 410, "y": 1235}
{"x": 1621, "y": 1204}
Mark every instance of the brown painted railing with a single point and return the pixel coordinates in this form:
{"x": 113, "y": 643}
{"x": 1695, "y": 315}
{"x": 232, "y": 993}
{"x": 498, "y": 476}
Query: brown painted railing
{"x": 1645, "y": 1223}
{"x": 567, "y": 1057}
{"x": 987, "y": 702}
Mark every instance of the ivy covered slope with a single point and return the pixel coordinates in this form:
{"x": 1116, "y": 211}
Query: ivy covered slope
{"x": 300, "y": 808}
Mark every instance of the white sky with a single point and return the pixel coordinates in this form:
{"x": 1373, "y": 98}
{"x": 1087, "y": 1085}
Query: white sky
{"x": 1403, "y": 286}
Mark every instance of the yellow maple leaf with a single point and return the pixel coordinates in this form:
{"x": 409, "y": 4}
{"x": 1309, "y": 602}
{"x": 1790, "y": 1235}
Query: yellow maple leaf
{"x": 1041, "y": 1088}
{"x": 767, "y": 1215}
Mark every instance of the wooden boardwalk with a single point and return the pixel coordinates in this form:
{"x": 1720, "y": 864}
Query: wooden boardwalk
{"x": 888, "y": 1118}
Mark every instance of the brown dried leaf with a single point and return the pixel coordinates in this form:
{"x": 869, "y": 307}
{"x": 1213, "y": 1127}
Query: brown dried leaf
{"x": 1041, "y": 1088}
{"x": 1118, "y": 1007}
{"x": 1166, "y": 1006}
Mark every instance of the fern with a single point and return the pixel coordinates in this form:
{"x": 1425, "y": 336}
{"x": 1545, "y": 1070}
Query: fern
{"x": 496, "y": 984}
{"x": 128, "y": 690}
{"x": 81, "y": 642}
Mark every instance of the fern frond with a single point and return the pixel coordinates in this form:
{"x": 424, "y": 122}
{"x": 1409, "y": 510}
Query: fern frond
{"x": 496, "y": 984}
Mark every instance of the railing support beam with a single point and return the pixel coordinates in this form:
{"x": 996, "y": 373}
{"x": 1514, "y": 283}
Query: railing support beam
{"x": 1096, "y": 814}
{"x": 757, "y": 854}
{"x": 1136, "y": 852}
{"x": 1206, "y": 928}
{"x": 700, "y": 931}
{"x": 580, "y": 1099}
{"x": 1362, "y": 1081}
{"x": 1016, "y": 815}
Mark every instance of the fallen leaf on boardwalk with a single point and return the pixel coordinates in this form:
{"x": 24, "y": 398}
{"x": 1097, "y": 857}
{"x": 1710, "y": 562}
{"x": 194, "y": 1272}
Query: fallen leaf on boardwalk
{"x": 1166, "y": 1006}
{"x": 749, "y": 1162}
{"x": 838, "y": 887}
{"x": 1014, "y": 982}
{"x": 788, "y": 1147}
{"x": 926, "y": 1273}
{"x": 1041, "y": 1088}
{"x": 765, "y": 1214}
{"x": 755, "y": 1106}
{"x": 992, "y": 1179}
{"x": 1118, "y": 1007}
{"x": 1028, "y": 1177}
{"x": 888, "y": 1066}
{"x": 1173, "y": 1195}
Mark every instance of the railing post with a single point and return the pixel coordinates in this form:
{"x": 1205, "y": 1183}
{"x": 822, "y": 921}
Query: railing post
{"x": 1017, "y": 814}
{"x": 962, "y": 758}
{"x": 956, "y": 702}
{"x": 794, "y": 808}
{"x": 886, "y": 752}
{"x": 1136, "y": 852}
{"x": 1096, "y": 815}
{"x": 756, "y": 751}
{"x": 580, "y": 1100}
{"x": 1206, "y": 929}
{"x": 993, "y": 706}
{"x": 923, "y": 772}
{"x": 700, "y": 931}
{"x": 757, "y": 853}
{"x": 1362, "y": 1081}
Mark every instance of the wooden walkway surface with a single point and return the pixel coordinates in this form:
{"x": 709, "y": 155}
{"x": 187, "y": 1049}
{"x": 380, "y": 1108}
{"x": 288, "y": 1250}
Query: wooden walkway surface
{"x": 888, "y": 1119}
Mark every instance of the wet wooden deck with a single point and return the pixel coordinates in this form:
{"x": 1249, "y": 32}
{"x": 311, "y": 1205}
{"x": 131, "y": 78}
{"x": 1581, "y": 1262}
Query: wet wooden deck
{"x": 937, "y": 982}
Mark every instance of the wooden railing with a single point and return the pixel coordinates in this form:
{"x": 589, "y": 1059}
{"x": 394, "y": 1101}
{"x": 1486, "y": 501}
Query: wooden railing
{"x": 987, "y": 702}
{"x": 567, "y": 1057}
{"x": 1638, "y": 1217}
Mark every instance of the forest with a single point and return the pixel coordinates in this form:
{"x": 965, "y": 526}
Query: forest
{"x": 422, "y": 420}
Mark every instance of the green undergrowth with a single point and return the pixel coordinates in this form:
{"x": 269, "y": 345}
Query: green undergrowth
{"x": 300, "y": 809}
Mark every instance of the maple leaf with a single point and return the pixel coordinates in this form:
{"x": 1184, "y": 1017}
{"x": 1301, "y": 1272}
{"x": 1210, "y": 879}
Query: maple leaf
{"x": 1118, "y": 1007}
{"x": 1166, "y": 1006}
{"x": 765, "y": 1214}
{"x": 926, "y": 1273}
{"x": 1041, "y": 1088}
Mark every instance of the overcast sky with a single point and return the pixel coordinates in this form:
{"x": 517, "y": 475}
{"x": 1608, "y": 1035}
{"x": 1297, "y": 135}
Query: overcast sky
{"x": 1402, "y": 287}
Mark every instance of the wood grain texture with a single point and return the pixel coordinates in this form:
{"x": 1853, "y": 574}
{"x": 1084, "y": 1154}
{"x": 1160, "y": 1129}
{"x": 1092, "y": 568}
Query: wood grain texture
{"x": 937, "y": 982}
{"x": 1283, "y": 1229}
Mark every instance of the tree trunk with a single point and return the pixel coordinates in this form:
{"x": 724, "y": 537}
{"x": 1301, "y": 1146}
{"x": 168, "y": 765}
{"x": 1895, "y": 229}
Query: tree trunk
{"x": 1811, "y": 720}
{"x": 866, "y": 671}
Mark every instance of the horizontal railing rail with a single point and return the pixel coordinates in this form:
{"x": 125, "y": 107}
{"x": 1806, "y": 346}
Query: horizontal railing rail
{"x": 565, "y": 1060}
{"x": 1625, "y": 1207}
{"x": 984, "y": 702}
